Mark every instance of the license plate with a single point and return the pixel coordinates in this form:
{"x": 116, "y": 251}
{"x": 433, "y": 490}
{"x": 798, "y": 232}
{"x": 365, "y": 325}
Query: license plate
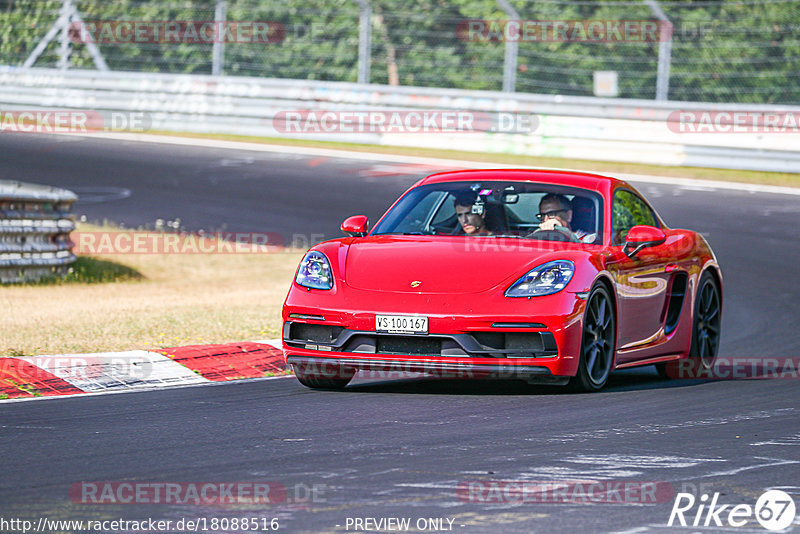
{"x": 407, "y": 324}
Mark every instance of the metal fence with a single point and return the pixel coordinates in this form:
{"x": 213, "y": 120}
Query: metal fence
{"x": 35, "y": 222}
{"x": 715, "y": 50}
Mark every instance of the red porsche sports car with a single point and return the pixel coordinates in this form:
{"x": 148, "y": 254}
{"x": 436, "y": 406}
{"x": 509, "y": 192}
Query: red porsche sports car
{"x": 554, "y": 277}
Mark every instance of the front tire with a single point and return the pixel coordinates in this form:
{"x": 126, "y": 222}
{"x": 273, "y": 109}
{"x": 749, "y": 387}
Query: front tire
{"x": 323, "y": 379}
{"x": 598, "y": 342}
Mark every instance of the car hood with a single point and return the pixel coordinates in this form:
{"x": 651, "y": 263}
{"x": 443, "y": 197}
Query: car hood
{"x": 442, "y": 264}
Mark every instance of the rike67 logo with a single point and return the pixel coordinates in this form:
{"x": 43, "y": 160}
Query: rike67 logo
{"x": 774, "y": 510}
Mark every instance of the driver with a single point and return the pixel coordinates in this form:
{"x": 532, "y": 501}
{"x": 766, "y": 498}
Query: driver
{"x": 471, "y": 213}
{"x": 555, "y": 213}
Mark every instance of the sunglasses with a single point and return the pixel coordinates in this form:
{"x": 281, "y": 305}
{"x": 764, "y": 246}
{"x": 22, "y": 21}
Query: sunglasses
{"x": 546, "y": 214}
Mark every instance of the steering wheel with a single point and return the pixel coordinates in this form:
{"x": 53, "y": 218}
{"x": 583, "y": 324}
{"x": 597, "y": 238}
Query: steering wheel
{"x": 559, "y": 233}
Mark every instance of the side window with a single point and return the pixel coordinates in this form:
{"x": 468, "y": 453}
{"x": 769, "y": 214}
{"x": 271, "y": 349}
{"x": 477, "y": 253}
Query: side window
{"x": 416, "y": 217}
{"x": 522, "y": 214}
{"x": 526, "y": 208}
{"x": 628, "y": 211}
{"x": 444, "y": 220}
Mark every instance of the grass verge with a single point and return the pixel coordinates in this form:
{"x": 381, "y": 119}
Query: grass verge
{"x": 148, "y": 301}
{"x": 728, "y": 175}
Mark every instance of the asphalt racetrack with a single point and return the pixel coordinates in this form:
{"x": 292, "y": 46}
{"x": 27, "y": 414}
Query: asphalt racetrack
{"x": 407, "y": 448}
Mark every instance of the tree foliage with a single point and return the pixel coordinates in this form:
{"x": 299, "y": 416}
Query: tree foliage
{"x": 721, "y": 51}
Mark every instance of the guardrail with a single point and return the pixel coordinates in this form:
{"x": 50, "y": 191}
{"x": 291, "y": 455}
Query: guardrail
{"x": 35, "y": 222}
{"x": 640, "y": 131}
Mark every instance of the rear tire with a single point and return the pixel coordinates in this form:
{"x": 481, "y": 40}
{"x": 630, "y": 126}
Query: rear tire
{"x": 319, "y": 380}
{"x": 706, "y": 323}
{"x": 661, "y": 369}
{"x": 598, "y": 342}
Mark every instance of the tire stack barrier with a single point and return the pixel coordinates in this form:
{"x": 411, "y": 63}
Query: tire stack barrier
{"x": 35, "y": 223}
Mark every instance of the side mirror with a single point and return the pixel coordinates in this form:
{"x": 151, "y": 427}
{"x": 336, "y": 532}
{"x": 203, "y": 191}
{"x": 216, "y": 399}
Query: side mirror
{"x": 355, "y": 226}
{"x": 642, "y": 236}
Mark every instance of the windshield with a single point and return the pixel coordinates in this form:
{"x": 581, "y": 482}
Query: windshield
{"x": 497, "y": 209}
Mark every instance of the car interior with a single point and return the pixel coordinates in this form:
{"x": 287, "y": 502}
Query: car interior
{"x": 519, "y": 218}
{"x": 508, "y": 210}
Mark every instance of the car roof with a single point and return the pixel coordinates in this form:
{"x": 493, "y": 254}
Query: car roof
{"x": 583, "y": 180}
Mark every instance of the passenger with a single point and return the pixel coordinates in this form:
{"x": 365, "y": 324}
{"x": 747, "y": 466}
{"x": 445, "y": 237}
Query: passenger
{"x": 471, "y": 213}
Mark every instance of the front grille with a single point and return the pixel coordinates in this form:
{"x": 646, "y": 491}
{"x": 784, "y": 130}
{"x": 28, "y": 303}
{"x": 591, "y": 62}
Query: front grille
{"x": 417, "y": 346}
{"x": 474, "y": 344}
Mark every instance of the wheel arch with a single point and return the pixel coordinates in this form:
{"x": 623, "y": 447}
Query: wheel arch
{"x": 606, "y": 281}
{"x": 714, "y": 271}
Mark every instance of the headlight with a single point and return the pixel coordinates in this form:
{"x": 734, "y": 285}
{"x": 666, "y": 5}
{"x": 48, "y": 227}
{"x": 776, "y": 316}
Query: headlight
{"x": 546, "y": 279}
{"x": 315, "y": 271}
